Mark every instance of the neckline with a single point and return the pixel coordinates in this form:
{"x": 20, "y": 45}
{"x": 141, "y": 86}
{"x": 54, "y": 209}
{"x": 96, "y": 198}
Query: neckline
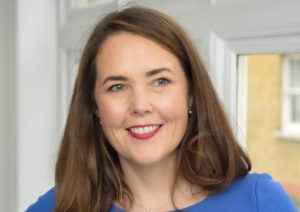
{"x": 197, "y": 204}
{"x": 203, "y": 203}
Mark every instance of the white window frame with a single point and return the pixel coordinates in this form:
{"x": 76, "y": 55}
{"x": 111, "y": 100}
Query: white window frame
{"x": 289, "y": 129}
{"x": 74, "y": 26}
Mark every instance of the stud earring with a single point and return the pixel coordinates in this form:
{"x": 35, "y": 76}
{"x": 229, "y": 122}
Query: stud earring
{"x": 190, "y": 110}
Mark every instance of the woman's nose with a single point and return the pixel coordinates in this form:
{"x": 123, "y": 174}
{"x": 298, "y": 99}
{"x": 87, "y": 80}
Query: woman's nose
{"x": 140, "y": 102}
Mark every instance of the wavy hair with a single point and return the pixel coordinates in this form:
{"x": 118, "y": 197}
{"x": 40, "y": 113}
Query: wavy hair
{"x": 88, "y": 175}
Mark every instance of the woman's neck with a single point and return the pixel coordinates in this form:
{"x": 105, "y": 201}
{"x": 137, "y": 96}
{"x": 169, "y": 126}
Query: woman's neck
{"x": 152, "y": 184}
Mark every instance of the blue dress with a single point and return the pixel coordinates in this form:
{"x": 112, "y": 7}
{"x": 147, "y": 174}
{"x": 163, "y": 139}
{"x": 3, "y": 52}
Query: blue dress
{"x": 253, "y": 193}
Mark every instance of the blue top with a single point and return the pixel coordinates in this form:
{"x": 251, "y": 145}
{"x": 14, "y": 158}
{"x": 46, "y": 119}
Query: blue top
{"x": 253, "y": 193}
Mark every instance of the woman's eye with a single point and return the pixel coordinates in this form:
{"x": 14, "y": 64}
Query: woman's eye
{"x": 161, "y": 82}
{"x": 117, "y": 87}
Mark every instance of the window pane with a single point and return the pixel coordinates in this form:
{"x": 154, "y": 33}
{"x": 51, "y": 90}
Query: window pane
{"x": 295, "y": 73}
{"x": 295, "y": 108}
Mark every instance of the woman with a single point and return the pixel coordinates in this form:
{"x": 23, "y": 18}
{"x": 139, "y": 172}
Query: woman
{"x": 146, "y": 131}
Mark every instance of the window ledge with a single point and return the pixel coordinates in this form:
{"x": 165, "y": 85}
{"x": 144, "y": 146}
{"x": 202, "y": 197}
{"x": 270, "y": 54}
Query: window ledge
{"x": 286, "y": 135}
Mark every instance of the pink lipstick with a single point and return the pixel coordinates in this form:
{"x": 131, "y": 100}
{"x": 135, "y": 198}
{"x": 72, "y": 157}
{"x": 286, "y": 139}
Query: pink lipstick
{"x": 144, "y": 131}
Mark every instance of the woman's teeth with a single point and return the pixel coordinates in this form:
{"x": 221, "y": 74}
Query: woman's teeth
{"x": 143, "y": 130}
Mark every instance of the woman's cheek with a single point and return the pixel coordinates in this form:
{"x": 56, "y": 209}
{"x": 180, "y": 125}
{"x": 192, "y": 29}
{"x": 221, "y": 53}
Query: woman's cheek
{"x": 111, "y": 112}
{"x": 173, "y": 105}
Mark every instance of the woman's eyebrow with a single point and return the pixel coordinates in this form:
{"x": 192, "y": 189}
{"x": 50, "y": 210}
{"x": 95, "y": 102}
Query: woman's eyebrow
{"x": 115, "y": 78}
{"x": 157, "y": 71}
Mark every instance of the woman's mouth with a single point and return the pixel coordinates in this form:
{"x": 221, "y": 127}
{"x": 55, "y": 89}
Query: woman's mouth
{"x": 144, "y": 131}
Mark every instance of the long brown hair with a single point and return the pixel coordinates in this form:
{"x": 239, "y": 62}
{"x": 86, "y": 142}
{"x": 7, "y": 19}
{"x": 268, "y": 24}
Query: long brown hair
{"x": 88, "y": 174}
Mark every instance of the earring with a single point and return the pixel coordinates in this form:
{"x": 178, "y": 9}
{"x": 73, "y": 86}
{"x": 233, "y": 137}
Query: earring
{"x": 190, "y": 110}
{"x": 100, "y": 122}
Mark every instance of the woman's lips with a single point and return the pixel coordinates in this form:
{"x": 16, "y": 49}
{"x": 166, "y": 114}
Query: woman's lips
{"x": 144, "y": 131}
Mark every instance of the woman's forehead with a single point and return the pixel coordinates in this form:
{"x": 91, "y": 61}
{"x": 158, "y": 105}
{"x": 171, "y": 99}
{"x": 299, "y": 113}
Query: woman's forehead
{"x": 129, "y": 51}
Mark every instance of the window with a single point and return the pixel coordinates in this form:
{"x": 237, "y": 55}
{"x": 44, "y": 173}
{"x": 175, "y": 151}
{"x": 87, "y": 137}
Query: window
{"x": 290, "y": 112}
{"x": 76, "y": 20}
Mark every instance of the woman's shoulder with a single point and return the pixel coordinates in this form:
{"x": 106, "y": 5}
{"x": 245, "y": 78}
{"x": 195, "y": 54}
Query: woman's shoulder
{"x": 255, "y": 192}
{"x": 259, "y": 185}
{"x": 270, "y": 195}
{"x": 251, "y": 182}
{"x": 45, "y": 203}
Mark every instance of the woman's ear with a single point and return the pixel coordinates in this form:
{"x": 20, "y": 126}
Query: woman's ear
{"x": 190, "y": 101}
{"x": 97, "y": 113}
{"x": 95, "y": 109}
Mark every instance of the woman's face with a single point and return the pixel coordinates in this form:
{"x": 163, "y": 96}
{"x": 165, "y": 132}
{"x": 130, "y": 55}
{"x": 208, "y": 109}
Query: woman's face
{"x": 142, "y": 96}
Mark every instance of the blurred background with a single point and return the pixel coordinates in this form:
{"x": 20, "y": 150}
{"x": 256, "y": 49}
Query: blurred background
{"x": 251, "y": 48}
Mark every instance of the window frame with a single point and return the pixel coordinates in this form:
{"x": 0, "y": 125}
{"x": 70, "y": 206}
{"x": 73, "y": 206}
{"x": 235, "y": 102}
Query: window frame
{"x": 74, "y": 27}
{"x": 289, "y": 128}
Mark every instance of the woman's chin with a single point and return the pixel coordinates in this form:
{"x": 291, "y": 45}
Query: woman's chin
{"x": 150, "y": 159}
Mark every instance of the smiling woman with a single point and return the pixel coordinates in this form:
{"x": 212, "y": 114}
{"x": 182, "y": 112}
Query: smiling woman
{"x": 137, "y": 84}
{"x": 146, "y": 131}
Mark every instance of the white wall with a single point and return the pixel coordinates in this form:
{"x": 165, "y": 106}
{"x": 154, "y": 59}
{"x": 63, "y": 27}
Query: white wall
{"x": 4, "y": 149}
{"x": 36, "y": 91}
{"x": 7, "y": 97}
{"x": 28, "y": 101}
